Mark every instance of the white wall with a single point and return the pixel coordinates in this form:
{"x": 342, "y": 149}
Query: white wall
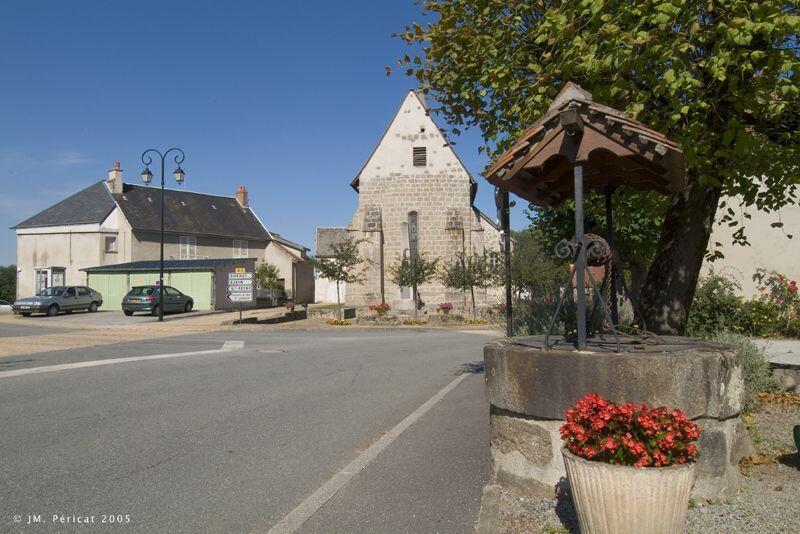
{"x": 770, "y": 248}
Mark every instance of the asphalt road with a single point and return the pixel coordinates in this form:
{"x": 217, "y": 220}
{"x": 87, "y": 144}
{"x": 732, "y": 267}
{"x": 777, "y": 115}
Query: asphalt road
{"x": 234, "y": 441}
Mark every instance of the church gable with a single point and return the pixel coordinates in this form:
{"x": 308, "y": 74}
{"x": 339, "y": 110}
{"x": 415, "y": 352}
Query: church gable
{"x": 412, "y": 144}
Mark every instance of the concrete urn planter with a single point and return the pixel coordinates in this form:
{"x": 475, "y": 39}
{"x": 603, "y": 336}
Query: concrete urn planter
{"x": 615, "y": 499}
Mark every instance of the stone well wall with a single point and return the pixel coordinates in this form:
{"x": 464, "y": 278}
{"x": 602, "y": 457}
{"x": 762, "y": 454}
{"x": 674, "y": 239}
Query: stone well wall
{"x": 530, "y": 389}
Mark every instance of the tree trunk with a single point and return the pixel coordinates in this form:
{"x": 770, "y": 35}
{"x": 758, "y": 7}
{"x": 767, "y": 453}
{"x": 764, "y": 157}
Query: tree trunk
{"x": 472, "y": 294}
{"x": 669, "y": 287}
{"x": 338, "y": 302}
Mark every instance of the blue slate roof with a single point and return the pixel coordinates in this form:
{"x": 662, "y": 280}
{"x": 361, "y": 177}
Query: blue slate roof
{"x": 169, "y": 265}
{"x": 89, "y": 206}
{"x": 189, "y": 213}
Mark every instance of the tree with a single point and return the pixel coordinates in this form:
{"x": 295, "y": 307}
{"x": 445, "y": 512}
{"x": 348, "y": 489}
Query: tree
{"x": 533, "y": 270}
{"x": 340, "y": 266}
{"x": 718, "y": 76}
{"x": 469, "y": 271}
{"x": 267, "y": 277}
{"x": 413, "y": 271}
{"x": 8, "y": 283}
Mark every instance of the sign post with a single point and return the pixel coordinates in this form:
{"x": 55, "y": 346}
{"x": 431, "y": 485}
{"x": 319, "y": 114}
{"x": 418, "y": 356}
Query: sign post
{"x": 240, "y": 288}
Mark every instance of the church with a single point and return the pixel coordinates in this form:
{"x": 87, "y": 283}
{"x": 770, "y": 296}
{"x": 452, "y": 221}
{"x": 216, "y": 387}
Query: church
{"x": 414, "y": 196}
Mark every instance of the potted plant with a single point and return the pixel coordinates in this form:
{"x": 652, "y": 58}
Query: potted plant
{"x": 630, "y": 467}
{"x": 289, "y": 305}
{"x": 445, "y": 308}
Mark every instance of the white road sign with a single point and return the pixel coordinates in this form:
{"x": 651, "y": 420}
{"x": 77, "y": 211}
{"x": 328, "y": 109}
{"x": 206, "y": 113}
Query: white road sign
{"x": 240, "y": 289}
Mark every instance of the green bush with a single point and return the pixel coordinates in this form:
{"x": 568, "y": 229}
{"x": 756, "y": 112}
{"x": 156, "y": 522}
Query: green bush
{"x": 757, "y": 373}
{"x": 715, "y": 307}
{"x": 758, "y": 318}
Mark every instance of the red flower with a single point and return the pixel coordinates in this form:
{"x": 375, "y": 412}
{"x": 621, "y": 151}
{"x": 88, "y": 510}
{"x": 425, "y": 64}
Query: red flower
{"x": 628, "y": 434}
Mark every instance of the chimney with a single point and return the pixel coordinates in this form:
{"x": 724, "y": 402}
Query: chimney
{"x": 241, "y": 196}
{"x": 115, "y": 179}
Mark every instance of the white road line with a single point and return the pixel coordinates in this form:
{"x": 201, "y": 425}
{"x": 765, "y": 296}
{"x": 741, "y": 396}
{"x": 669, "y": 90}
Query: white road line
{"x": 306, "y": 509}
{"x": 228, "y": 346}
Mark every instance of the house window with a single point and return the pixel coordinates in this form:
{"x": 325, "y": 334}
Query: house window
{"x": 420, "y": 156}
{"x": 240, "y": 248}
{"x": 188, "y": 247}
{"x": 111, "y": 243}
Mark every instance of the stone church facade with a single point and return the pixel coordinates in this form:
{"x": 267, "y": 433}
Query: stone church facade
{"x": 413, "y": 194}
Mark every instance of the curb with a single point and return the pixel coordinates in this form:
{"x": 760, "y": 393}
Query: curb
{"x": 489, "y": 515}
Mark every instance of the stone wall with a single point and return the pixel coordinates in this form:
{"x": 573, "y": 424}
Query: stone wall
{"x": 530, "y": 389}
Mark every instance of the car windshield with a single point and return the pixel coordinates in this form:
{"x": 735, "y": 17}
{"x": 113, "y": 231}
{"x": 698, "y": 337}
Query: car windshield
{"x": 143, "y": 291}
{"x": 55, "y": 291}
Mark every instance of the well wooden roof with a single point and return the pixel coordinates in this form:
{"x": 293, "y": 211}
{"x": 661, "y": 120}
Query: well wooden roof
{"x": 612, "y": 148}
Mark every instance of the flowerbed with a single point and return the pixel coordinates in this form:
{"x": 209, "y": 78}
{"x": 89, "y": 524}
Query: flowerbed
{"x": 629, "y": 434}
{"x": 338, "y": 322}
{"x": 414, "y": 322}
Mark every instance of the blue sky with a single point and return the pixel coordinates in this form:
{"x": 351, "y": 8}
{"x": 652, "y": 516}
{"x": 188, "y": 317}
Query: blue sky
{"x": 287, "y": 98}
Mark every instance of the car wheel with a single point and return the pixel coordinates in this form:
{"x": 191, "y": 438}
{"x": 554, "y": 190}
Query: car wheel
{"x": 92, "y": 307}
{"x": 52, "y": 311}
{"x": 155, "y": 309}
{"x": 127, "y": 312}
{"x": 188, "y": 307}
{"x": 26, "y": 314}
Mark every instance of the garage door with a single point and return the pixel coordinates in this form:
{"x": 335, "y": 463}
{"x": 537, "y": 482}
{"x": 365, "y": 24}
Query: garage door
{"x": 113, "y": 287}
{"x": 195, "y": 284}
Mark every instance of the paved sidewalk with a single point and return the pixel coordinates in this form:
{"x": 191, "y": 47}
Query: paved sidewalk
{"x": 781, "y": 351}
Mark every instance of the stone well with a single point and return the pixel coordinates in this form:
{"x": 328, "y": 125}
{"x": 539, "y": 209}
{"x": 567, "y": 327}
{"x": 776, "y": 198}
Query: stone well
{"x": 529, "y": 390}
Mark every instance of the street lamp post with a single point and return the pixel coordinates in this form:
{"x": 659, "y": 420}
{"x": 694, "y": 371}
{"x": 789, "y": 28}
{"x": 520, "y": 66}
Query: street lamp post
{"x": 147, "y": 177}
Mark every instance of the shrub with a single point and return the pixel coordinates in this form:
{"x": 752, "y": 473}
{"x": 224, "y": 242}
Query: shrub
{"x": 339, "y": 322}
{"x": 629, "y": 434}
{"x": 758, "y": 318}
{"x": 414, "y": 322}
{"x": 446, "y": 307}
{"x": 757, "y": 372}
{"x": 716, "y": 306}
{"x": 381, "y": 309}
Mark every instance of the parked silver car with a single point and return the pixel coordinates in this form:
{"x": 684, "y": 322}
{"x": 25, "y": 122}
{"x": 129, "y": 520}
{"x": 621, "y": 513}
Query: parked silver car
{"x": 56, "y": 299}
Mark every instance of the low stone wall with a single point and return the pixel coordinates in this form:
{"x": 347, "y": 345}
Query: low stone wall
{"x": 530, "y": 389}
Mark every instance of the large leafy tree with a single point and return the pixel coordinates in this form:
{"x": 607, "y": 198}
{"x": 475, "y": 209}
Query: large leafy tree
{"x": 8, "y": 283}
{"x": 719, "y": 76}
{"x": 341, "y": 265}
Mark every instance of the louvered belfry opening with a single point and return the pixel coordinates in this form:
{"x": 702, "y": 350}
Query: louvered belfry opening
{"x": 580, "y": 144}
{"x": 420, "y": 156}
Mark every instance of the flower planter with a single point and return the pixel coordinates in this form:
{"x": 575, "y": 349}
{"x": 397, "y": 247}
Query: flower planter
{"x": 617, "y": 499}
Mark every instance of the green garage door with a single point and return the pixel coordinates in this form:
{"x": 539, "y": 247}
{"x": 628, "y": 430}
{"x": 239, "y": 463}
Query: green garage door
{"x": 113, "y": 287}
{"x": 196, "y": 284}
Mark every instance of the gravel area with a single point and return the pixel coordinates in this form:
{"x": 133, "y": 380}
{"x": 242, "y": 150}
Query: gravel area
{"x": 768, "y": 501}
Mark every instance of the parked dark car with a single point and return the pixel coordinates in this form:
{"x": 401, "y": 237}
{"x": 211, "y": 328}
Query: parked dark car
{"x": 145, "y": 299}
{"x": 56, "y": 299}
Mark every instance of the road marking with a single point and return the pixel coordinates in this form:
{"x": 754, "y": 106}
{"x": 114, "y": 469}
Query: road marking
{"x": 228, "y": 346}
{"x": 306, "y": 509}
